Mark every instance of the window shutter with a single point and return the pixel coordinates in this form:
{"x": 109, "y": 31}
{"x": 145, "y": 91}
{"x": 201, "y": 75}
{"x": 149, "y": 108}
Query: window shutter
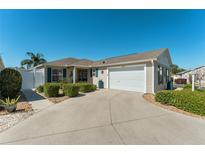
{"x": 64, "y": 73}
{"x": 49, "y": 74}
{"x": 91, "y": 73}
{"x": 96, "y": 72}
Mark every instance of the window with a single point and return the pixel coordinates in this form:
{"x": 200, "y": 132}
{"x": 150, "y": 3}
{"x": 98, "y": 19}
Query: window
{"x": 57, "y": 75}
{"x": 160, "y": 75}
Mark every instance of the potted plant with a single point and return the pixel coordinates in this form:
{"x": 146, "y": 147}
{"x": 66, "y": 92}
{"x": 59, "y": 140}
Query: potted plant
{"x": 9, "y": 104}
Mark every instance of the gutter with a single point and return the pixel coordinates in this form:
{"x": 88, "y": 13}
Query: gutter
{"x": 129, "y": 62}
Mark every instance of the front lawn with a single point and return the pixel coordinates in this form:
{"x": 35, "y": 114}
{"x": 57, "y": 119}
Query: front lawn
{"x": 185, "y": 99}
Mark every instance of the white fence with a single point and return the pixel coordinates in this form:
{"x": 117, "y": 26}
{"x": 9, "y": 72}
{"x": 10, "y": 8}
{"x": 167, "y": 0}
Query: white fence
{"x": 33, "y": 78}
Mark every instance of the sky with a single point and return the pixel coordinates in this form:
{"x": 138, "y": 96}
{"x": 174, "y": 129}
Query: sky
{"x": 98, "y": 34}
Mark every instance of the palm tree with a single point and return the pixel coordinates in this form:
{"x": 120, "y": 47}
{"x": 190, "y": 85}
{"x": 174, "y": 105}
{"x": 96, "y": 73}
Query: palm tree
{"x": 35, "y": 59}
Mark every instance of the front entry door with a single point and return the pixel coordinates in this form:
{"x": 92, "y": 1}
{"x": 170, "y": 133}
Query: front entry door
{"x": 82, "y": 75}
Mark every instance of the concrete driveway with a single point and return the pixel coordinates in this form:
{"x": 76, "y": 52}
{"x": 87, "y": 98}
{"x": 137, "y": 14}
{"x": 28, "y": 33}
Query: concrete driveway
{"x": 106, "y": 117}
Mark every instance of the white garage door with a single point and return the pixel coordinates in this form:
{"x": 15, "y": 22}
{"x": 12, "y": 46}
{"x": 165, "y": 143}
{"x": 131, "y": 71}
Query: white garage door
{"x": 128, "y": 78}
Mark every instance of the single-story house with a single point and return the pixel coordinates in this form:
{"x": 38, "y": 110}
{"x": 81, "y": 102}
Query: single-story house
{"x": 188, "y": 74}
{"x": 145, "y": 72}
{"x": 1, "y": 64}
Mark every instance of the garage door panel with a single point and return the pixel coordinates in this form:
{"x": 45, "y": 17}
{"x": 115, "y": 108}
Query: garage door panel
{"x": 131, "y": 79}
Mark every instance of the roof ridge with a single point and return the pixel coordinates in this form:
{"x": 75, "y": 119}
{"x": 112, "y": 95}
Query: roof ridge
{"x": 137, "y": 53}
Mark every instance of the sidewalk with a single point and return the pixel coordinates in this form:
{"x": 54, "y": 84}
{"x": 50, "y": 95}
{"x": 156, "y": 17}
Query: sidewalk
{"x": 38, "y": 102}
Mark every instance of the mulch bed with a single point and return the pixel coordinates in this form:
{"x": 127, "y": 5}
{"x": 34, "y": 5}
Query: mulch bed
{"x": 150, "y": 98}
{"x": 55, "y": 100}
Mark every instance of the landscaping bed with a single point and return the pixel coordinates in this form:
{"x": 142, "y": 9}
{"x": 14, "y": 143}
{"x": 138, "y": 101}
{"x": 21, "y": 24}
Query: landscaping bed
{"x": 58, "y": 99}
{"x": 23, "y": 111}
{"x": 182, "y": 100}
{"x": 186, "y": 100}
{"x": 59, "y": 92}
{"x": 151, "y": 98}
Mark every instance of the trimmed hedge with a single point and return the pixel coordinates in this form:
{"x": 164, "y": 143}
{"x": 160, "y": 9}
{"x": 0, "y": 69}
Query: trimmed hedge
{"x": 186, "y": 100}
{"x": 51, "y": 89}
{"x": 86, "y": 87}
{"x": 71, "y": 90}
{"x": 40, "y": 88}
{"x": 10, "y": 83}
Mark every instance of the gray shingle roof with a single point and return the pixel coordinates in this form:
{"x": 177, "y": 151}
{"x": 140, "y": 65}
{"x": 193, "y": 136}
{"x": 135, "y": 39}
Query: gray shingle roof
{"x": 153, "y": 54}
{"x": 62, "y": 62}
{"x": 131, "y": 57}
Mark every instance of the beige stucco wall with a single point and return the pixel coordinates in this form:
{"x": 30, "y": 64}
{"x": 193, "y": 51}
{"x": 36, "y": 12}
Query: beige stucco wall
{"x": 149, "y": 77}
{"x": 101, "y": 76}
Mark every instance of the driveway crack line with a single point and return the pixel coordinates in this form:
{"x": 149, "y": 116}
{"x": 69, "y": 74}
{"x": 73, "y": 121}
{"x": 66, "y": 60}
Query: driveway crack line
{"x": 111, "y": 122}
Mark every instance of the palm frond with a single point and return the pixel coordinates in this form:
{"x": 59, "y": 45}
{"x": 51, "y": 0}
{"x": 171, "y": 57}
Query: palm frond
{"x": 42, "y": 60}
{"x": 26, "y": 62}
{"x": 39, "y": 55}
{"x": 30, "y": 54}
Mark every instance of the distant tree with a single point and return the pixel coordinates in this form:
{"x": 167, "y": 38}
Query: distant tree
{"x": 176, "y": 69}
{"x": 35, "y": 59}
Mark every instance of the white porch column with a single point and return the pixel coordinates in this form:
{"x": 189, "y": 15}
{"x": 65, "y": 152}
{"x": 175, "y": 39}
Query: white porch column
{"x": 74, "y": 74}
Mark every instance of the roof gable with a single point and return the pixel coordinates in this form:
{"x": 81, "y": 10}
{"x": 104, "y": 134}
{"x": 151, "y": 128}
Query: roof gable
{"x": 148, "y": 55}
{"x": 62, "y": 62}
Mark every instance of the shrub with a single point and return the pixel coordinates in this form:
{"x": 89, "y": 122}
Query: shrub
{"x": 181, "y": 81}
{"x": 62, "y": 84}
{"x": 71, "y": 90}
{"x": 187, "y": 86}
{"x": 186, "y": 100}
{"x": 10, "y": 83}
{"x": 40, "y": 88}
{"x": 51, "y": 89}
{"x": 94, "y": 87}
{"x": 86, "y": 87}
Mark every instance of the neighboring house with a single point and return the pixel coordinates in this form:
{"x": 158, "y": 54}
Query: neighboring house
{"x": 1, "y": 64}
{"x": 188, "y": 73}
{"x": 184, "y": 74}
{"x": 145, "y": 72}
